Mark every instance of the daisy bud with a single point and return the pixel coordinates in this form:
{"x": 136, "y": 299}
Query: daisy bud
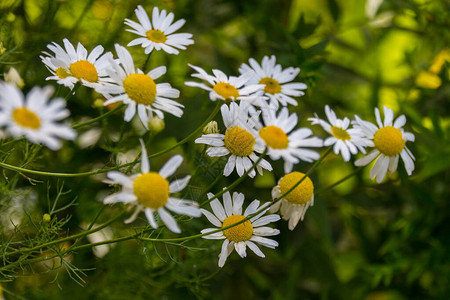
{"x": 2, "y": 49}
{"x": 46, "y": 218}
{"x": 211, "y": 127}
{"x": 14, "y": 77}
{"x": 156, "y": 124}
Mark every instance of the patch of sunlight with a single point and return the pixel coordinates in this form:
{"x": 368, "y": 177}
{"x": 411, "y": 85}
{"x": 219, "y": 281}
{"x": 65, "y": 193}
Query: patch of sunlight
{"x": 391, "y": 55}
{"x": 389, "y": 98}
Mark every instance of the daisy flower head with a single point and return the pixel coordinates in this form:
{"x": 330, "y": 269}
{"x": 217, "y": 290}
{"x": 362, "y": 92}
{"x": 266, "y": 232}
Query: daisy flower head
{"x": 227, "y": 88}
{"x": 283, "y": 141}
{"x": 245, "y": 234}
{"x": 277, "y": 82}
{"x": 346, "y": 140}
{"x": 151, "y": 192}
{"x": 389, "y": 140}
{"x": 159, "y": 32}
{"x": 138, "y": 90}
{"x": 71, "y": 65}
{"x": 239, "y": 141}
{"x": 34, "y": 116}
{"x": 294, "y": 204}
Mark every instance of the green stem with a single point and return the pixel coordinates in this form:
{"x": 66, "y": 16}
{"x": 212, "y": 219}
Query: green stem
{"x": 181, "y": 239}
{"x": 81, "y": 234}
{"x": 91, "y": 121}
{"x": 72, "y": 91}
{"x": 183, "y": 141}
{"x": 236, "y": 182}
{"x": 319, "y": 191}
{"x": 307, "y": 173}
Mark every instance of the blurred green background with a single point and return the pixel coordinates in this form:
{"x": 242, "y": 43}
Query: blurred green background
{"x": 361, "y": 240}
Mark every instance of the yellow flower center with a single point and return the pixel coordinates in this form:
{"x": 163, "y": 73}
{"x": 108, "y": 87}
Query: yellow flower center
{"x": 389, "y": 140}
{"x": 340, "y": 134}
{"x": 61, "y": 73}
{"x": 272, "y": 86}
{"x": 83, "y": 69}
{"x": 141, "y": 88}
{"x": 151, "y": 189}
{"x": 156, "y": 36}
{"x": 302, "y": 192}
{"x": 26, "y": 118}
{"x": 226, "y": 90}
{"x": 238, "y": 233}
{"x": 239, "y": 141}
{"x": 274, "y": 137}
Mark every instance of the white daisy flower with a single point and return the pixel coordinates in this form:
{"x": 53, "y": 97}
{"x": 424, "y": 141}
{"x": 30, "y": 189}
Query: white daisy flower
{"x": 138, "y": 90}
{"x": 161, "y": 35}
{"x": 277, "y": 82}
{"x": 345, "y": 140}
{"x": 282, "y": 143}
{"x": 389, "y": 140}
{"x": 151, "y": 192}
{"x": 71, "y": 65}
{"x": 239, "y": 141}
{"x": 227, "y": 88}
{"x": 243, "y": 235}
{"x": 293, "y": 205}
{"x": 34, "y": 116}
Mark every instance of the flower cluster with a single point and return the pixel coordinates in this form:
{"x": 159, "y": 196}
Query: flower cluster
{"x": 255, "y": 110}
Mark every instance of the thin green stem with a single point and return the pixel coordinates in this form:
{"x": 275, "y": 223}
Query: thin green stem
{"x": 81, "y": 234}
{"x": 144, "y": 66}
{"x": 307, "y": 173}
{"x": 91, "y": 121}
{"x": 319, "y": 191}
{"x": 72, "y": 91}
{"x": 183, "y": 141}
{"x": 238, "y": 181}
{"x": 180, "y": 239}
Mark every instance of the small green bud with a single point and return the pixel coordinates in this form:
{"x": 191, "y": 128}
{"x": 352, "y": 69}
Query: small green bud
{"x": 2, "y": 49}
{"x": 211, "y": 127}
{"x": 46, "y": 218}
{"x": 156, "y": 124}
{"x": 14, "y": 77}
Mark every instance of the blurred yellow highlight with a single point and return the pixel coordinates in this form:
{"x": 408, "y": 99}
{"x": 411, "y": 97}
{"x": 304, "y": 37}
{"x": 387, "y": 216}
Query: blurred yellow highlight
{"x": 430, "y": 79}
{"x": 102, "y": 10}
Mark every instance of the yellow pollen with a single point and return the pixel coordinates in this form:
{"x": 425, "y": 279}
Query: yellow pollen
{"x": 26, "y": 118}
{"x": 156, "y": 36}
{"x": 389, "y": 140}
{"x": 302, "y": 193}
{"x": 61, "y": 73}
{"x": 226, "y": 90}
{"x": 272, "y": 86}
{"x": 151, "y": 189}
{"x": 239, "y": 233}
{"x": 340, "y": 134}
{"x": 141, "y": 88}
{"x": 274, "y": 137}
{"x": 239, "y": 141}
{"x": 83, "y": 69}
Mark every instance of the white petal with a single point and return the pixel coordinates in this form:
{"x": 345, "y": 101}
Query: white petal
{"x": 240, "y": 249}
{"x": 255, "y": 249}
{"x": 171, "y": 166}
{"x": 224, "y": 253}
{"x": 211, "y": 218}
{"x": 227, "y": 203}
{"x": 150, "y": 217}
{"x": 218, "y": 210}
{"x": 266, "y": 220}
{"x": 179, "y": 184}
{"x": 145, "y": 164}
{"x": 168, "y": 220}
